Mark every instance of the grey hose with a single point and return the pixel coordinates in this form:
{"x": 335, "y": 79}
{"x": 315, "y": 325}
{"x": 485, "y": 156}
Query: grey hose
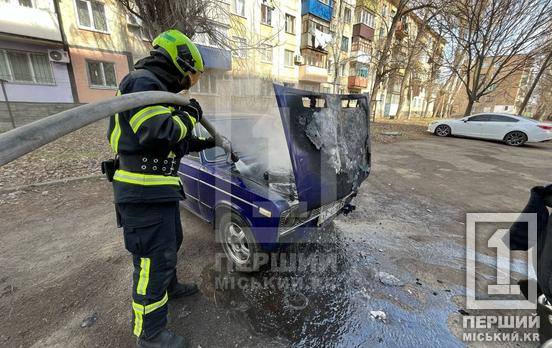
{"x": 17, "y": 142}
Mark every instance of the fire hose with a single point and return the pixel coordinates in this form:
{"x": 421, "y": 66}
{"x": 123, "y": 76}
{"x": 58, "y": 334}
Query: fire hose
{"x": 20, "y": 141}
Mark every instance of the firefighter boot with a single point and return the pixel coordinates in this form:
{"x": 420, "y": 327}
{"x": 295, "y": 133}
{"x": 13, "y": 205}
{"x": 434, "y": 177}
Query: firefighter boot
{"x": 164, "y": 339}
{"x": 177, "y": 290}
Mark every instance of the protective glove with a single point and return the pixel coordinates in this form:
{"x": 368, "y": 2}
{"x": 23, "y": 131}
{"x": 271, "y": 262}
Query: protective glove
{"x": 209, "y": 143}
{"x": 193, "y": 109}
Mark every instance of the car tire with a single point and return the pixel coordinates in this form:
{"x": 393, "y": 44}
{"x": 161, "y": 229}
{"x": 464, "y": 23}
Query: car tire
{"x": 238, "y": 243}
{"x": 515, "y": 138}
{"x": 443, "y": 130}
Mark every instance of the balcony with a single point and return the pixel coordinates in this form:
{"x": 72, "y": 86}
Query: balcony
{"x": 401, "y": 31}
{"x": 317, "y": 8}
{"x": 357, "y": 82}
{"x": 364, "y": 31}
{"x": 29, "y": 22}
{"x": 313, "y": 73}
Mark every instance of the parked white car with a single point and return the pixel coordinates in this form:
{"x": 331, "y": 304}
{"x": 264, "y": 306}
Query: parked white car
{"x": 513, "y": 130}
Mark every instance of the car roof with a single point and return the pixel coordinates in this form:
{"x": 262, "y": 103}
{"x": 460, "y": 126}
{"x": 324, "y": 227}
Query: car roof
{"x": 517, "y": 117}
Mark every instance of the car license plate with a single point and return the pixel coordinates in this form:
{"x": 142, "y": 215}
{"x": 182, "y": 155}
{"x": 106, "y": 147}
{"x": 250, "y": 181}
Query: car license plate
{"x": 330, "y": 211}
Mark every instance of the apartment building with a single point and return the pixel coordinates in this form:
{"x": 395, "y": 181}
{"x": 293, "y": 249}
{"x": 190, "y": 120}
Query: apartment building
{"x": 32, "y": 60}
{"x": 505, "y": 96}
{"x": 316, "y": 17}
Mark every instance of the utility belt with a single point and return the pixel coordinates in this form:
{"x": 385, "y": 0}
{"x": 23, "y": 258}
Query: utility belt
{"x": 142, "y": 164}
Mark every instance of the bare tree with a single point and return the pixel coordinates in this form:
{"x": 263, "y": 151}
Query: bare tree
{"x": 545, "y": 64}
{"x": 496, "y": 38}
{"x": 414, "y": 47}
{"x": 209, "y": 18}
{"x": 383, "y": 66}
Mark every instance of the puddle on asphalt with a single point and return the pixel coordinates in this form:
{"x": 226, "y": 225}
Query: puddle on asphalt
{"x": 330, "y": 303}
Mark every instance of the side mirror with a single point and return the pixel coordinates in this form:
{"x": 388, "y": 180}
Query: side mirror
{"x": 465, "y": 120}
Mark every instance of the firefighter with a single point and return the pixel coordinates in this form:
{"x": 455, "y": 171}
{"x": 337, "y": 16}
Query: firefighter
{"x": 149, "y": 143}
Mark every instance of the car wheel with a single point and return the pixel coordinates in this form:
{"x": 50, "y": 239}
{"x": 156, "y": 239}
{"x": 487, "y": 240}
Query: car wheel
{"x": 443, "y": 130}
{"x": 515, "y": 138}
{"x": 238, "y": 243}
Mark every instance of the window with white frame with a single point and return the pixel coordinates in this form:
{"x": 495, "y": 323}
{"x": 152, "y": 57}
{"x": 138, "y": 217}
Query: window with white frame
{"x": 91, "y": 15}
{"x": 344, "y": 43}
{"x": 290, "y": 24}
{"x": 266, "y": 14}
{"x": 26, "y": 67}
{"x": 239, "y": 7}
{"x": 240, "y": 44}
{"x": 288, "y": 58}
{"x": 347, "y": 15}
{"x": 207, "y": 84}
{"x": 101, "y": 74}
{"x": 266, "y": 54}
{"x": 366, "y": 17}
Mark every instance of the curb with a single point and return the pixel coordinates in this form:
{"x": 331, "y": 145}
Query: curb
{"x": 53, "y": 182}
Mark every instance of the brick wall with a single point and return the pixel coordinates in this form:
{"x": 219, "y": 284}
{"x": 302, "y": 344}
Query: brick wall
{"x": 28, "y": 112}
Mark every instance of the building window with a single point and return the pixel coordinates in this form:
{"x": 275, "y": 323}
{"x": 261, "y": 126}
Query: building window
{"x": 290, "y": 24}
{"x": 365, "y": 17}
{"x": 288, "y": 58}
{"x": 347, "y": 15}
{"x": 381, "y": 32}
{"x": 26, "y": 3}
{"x": 91, "y": 15}
{"x": 26, "y": 67}
{"x": 266, "y": 14}
{"x": 207, "y": 84}
{"x": 101, "y": 74}
{"x": 240, "y": 43}
{"x": 239, "y": 7}
{"x": 344, "y": 43}
{"x": 266, "y": 54}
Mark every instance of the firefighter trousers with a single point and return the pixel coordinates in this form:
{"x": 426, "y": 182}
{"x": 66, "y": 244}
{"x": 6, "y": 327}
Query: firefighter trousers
{"x": 153, "y": 234}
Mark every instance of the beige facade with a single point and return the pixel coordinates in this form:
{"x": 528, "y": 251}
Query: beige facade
{"x": 103, "y": 45}
{"x": 504, "y": 97}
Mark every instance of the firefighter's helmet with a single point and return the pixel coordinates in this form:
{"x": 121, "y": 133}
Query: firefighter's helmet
{"x": 183, "y": 53}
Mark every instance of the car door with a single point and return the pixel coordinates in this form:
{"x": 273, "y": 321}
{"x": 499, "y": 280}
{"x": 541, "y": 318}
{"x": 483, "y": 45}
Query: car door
{"x": 499, "y": 126}
{"x": 474, "y": 126}
{"x": 189, "y": 169}
{"x": 459, "y": 127}
{"x": 214, "y": 172}
{"x": 190, "y": 166}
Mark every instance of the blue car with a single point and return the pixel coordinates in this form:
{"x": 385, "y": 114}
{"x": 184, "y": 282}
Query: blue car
{"x": 300, "y": 165}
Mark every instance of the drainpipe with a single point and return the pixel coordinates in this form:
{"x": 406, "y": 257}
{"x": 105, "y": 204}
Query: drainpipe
{"x": 70, "y": 70}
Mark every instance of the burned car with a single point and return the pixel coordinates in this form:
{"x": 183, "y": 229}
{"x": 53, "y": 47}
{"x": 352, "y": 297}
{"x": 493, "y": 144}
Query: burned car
{"x": 300, "y": 166}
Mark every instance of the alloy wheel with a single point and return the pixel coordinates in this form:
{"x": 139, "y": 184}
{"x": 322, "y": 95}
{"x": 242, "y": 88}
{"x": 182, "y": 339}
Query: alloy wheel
{"x": 515, "y": 138}
{"x": 442, "y": 130}
{"x": 236, "y": 244}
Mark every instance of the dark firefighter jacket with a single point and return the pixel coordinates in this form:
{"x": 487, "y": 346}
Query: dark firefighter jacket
{"x": 154, "y": 130}
{"x": 541, "y": 197}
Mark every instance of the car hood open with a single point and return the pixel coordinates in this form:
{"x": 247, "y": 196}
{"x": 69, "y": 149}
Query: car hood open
{"x": 328, "y": 138}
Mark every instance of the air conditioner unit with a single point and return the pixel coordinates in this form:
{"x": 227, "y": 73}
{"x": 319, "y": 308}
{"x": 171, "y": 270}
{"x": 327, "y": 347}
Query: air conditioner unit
{"x": 58, "y": 56}
{"x": 299, "y": 60}
{"x": 133, "y": 21}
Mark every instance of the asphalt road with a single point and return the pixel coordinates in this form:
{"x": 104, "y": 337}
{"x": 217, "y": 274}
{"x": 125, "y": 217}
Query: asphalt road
{"x": 400, "y": 252}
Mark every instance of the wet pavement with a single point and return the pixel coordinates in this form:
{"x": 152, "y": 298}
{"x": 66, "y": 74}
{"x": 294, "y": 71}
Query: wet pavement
{"x": 390, "y": 274}
{"x": 401, "y": 253}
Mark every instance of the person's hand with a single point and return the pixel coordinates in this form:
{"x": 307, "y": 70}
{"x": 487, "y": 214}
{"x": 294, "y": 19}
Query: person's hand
{"x": 193, "y": 109}
{"x": 209, "y": 142}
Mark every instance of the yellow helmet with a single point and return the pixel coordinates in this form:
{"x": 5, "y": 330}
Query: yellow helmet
{"x": 183, "y": 53}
